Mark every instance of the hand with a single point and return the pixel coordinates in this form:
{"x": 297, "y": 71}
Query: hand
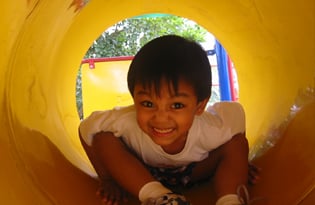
{"x": 111, "y": 193}
{"x": 253, "y": 174}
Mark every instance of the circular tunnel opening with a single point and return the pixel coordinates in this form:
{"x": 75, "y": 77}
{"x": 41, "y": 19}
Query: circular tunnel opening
{"x": 110, "y": 54}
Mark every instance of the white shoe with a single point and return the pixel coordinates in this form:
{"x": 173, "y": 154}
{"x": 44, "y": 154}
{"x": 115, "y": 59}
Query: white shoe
{"x": 167, "y": 199}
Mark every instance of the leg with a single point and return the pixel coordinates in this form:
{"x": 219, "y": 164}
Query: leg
{"x": 228, "y": 164}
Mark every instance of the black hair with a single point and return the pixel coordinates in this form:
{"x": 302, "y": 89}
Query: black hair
{"x": 173, "y": 58}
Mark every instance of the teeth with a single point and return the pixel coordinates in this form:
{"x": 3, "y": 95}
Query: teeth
{"x": 163, "y": 130}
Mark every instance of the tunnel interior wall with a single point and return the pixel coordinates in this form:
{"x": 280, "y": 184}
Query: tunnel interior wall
{"x": 272, "y": 44}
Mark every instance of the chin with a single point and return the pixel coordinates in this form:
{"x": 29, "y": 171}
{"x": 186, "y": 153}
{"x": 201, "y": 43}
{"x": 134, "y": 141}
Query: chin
{"x": 161, "y": 142}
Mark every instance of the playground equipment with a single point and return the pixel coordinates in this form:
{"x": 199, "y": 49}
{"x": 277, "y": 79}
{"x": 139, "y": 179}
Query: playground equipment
{"x": 272, "y": 44}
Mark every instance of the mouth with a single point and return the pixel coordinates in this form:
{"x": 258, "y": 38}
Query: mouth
{"x": 162, "y": 132}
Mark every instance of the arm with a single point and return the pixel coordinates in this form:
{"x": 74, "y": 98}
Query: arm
{"x": 232, "y": 168}
{"x": 111, "y": 159}
{"x": 227, "y": 164}
{"x": 95, "y": 160}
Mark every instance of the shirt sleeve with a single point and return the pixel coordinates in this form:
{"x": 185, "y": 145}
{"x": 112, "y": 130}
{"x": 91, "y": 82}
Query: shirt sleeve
{"x": 220, "y": 123}
{"x": 232, "y": 115}
{"x": 109, "y": 120}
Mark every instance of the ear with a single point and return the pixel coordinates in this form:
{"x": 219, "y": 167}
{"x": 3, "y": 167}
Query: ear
{"x": 201, "y": 106}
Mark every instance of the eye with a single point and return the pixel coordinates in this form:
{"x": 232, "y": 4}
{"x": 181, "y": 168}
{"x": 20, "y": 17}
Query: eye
{"x": 147, "y": 104}
{"x": 177, "y": 105}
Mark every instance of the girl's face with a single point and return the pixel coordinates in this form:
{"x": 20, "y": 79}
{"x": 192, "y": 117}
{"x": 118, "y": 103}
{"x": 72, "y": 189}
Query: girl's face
{"x": 167, "y": 117}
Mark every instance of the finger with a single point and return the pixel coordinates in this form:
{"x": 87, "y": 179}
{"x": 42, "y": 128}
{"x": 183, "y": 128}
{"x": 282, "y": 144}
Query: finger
{"x": 112, "y": 198}
{"x": 253, "y": 180}
{"x": 107, "y": 198}
{"x": 107, "y": 201}
{"x": 253, "y": 174}
{"x": 125, "y": 197}
{"x": 254, "y": 168}
{"x": 100, "y": 192}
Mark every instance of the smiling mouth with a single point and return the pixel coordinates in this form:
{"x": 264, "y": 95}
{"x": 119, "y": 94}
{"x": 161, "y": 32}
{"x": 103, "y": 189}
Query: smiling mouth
{"x": 162, "y": 131}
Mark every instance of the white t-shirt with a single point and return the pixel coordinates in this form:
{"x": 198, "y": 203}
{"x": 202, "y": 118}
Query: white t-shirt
{"x": 211, "y": 129}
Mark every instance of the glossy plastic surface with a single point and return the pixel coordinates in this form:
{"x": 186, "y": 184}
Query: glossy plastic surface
{"x": 272, "y": 44}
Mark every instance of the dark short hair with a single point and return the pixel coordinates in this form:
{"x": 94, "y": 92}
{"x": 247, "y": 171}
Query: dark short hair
{"x": 173, "y": 58}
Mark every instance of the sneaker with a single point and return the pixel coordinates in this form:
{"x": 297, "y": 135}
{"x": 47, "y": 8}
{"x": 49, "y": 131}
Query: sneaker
{"x": 242, "y": 191}
{"x": 167, "y": 199}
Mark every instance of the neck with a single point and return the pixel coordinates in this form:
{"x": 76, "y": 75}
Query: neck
{"x": 176, "y": 147}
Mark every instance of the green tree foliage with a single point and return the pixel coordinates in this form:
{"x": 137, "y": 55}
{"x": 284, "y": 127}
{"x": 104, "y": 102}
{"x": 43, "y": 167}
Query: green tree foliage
{"x": 128, "y": 36}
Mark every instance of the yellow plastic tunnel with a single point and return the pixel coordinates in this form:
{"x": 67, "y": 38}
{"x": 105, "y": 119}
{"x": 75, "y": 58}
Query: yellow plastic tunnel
{"x": 272, "y": 44}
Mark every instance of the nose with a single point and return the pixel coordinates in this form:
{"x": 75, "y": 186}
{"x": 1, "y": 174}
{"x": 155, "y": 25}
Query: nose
{"x": 161, "y": 115}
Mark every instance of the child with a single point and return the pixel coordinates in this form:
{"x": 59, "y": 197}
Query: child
{"x": 166, "y": 138}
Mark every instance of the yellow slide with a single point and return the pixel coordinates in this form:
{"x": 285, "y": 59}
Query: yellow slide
{"x": 272, "y": 44}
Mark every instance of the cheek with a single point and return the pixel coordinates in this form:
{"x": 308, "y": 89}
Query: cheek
{"x": 142, "y": 119}
{"x": 185, "y": 122}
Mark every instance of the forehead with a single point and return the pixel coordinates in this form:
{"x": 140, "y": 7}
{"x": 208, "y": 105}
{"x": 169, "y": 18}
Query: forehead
{"x": 181, "y": 87}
